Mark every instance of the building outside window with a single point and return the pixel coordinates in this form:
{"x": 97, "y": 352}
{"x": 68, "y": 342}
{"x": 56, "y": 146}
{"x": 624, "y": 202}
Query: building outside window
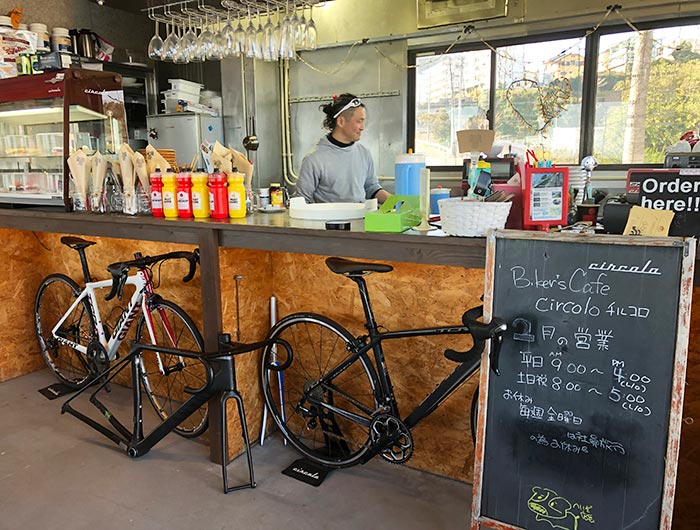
{"x": 643, "y": 87}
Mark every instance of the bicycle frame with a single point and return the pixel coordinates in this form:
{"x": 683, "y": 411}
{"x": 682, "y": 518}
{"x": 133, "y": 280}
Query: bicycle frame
{"x": 385, "y": 394}
{"x": 137, "y": 303}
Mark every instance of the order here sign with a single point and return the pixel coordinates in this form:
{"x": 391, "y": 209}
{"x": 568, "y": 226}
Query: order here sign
{"x": 675, "y": 189}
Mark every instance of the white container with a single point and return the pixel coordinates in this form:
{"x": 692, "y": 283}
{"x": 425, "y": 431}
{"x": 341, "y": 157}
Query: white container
{"x": 179, "y": 94}
{"x": 43, "y": 43}
{"x": 5, "y": 22}
{"x": 60, "y": 40}
{"x": 50, "y": 143}
{"x": 181, "y": 85}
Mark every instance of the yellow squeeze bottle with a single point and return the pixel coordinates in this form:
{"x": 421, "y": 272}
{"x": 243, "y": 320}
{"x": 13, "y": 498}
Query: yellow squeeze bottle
{"x": 236, "y": 195}
{"x": 200, "y": 195}
{"x": 170, "y": 195}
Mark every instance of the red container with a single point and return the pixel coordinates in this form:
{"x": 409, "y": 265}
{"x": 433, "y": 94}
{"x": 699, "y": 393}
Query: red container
{"x": 184, "y": 196}
{"x": 157, "y": 194}
{"x": 218, "y": 195}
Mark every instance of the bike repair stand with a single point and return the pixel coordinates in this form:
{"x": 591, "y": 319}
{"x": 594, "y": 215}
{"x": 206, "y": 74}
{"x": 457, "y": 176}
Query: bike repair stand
{"x": 221, "y": 379}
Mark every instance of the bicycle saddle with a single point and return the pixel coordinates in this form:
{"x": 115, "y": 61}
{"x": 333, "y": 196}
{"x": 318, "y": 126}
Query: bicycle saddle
{"x": 348, "y": 267}
{"x": 76, "y": 243}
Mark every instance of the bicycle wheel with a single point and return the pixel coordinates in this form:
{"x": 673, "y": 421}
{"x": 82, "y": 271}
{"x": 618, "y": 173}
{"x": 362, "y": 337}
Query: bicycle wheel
{"x": 55, "y": 295}
{"x": 165, "y": 377}
{"x": 317, "y": 345}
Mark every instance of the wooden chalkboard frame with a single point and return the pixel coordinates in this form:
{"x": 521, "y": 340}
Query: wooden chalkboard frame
{"x": 686, "y": 248}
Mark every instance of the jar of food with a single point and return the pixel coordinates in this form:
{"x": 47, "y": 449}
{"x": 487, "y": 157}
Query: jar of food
{"x": 43, "y": 43}
{"x": 276, "y": 195}
{"x": 60, "y": 40}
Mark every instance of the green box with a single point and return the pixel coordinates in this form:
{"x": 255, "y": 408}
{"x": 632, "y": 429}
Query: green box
{"x": 397, "y": 214}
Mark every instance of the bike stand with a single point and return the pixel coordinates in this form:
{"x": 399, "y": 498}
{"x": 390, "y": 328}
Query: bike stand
{"x": 221, "y": 379}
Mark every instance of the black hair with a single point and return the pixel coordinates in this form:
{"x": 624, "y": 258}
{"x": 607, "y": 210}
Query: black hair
{"x": 332, "y": 108}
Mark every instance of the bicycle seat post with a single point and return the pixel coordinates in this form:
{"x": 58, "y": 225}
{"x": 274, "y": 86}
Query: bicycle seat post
{"x": 84, "y": 264}
{"x": 366, "y": 304}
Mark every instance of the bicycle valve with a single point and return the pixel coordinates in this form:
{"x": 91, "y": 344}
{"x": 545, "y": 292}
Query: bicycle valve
{"x": 236, "y": 278}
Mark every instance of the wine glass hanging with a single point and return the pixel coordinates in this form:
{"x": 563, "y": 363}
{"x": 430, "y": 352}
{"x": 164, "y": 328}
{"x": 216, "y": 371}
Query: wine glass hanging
{"x": 261, "y": 29}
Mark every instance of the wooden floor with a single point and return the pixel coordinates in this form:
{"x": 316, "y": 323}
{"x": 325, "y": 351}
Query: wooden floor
{"x": 686, "y": 514}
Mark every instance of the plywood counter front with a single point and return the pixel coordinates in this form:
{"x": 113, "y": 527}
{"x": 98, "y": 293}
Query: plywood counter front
{"x": 434, "y": 281}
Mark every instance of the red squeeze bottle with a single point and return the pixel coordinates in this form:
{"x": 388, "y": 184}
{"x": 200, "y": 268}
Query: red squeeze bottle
{"x": 184, "y": 196}
{"x": 157, "y": 194}
{"x": 218, "y": 195}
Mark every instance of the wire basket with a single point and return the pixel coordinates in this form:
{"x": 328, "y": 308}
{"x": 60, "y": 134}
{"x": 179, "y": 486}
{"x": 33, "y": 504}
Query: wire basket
{"x": 472, "y": 218}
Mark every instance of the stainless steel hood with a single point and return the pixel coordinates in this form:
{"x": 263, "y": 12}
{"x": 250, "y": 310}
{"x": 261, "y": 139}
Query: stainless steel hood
{"x": 433, "y": 13}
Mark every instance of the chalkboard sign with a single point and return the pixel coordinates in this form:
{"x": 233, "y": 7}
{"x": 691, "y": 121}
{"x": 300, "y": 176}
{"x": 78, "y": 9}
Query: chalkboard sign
{"x": 677, "y": 190}
{"x": 581, "y": 429}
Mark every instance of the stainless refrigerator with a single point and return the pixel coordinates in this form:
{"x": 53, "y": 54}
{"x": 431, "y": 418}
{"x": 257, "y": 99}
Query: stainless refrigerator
{"x": 184, "y": 132}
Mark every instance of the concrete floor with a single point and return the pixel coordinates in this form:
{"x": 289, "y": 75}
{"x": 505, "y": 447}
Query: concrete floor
{"x": 57, "y": 473}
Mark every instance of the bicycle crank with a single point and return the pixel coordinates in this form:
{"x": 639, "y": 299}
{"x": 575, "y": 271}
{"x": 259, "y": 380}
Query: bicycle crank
{"x": 390, "y": 436}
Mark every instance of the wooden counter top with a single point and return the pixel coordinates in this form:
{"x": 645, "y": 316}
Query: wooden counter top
{"x": 260, "y": 231}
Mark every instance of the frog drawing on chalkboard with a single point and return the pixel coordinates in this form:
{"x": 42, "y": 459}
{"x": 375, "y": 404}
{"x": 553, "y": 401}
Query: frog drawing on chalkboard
{"x": 552, "y": 508}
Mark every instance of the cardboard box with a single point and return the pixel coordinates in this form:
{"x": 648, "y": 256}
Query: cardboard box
{"x": 475, "y": 140}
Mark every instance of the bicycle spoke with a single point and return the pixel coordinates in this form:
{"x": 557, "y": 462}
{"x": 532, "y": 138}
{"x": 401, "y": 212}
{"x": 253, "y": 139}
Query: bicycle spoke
{"x": 310, "y": 415}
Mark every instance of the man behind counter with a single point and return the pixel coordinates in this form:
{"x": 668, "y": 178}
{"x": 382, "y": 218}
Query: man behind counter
{"x": 339, "y": 169}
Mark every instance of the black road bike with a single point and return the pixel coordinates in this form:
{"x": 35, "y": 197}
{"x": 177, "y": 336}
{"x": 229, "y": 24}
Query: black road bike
{"x": 330, "y": 392}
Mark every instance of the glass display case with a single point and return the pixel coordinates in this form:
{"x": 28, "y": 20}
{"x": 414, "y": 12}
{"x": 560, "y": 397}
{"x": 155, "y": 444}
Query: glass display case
{"x": 46, "y": 117}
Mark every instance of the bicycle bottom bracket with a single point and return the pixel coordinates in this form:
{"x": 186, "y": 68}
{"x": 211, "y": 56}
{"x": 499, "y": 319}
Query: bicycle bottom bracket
{"x": 390, "y": 433}
{"x": 97, "y": 358}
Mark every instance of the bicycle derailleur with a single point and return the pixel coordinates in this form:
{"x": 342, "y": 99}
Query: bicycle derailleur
{"x": 391, "y": 436}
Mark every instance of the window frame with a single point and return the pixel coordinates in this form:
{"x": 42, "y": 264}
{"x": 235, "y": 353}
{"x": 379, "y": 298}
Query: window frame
{"x": 589, "y": 81}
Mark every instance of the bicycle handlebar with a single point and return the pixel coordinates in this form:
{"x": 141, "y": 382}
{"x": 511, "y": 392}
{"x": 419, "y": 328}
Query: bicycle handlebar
{"x": 120, "y": 269}
{"x": 481, "y": 332}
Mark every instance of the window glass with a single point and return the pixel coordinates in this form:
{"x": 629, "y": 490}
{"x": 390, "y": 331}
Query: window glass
{"x": 452, "y": 93}
{"x": 648, "y": 93}
{"x": 538, "y": 97}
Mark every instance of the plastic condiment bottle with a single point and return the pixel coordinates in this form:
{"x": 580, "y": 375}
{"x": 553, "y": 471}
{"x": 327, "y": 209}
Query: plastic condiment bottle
{"x": 169, "y": 195}
{"x": 184, "y": 195}
{"x": 200, "y": 195}
{"x": 236, "y": 195}
{"x": 218, "y": 197}
{"x": 156, "y": 193}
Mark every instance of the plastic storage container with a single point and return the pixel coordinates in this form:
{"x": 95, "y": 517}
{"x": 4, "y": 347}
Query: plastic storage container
{"x": 187, "y": 87}
{"x": 43, "y": 43}
{"x": 60, "y": 40}
{"x": 407, "y": 173}
{"x": 50, "y": 143}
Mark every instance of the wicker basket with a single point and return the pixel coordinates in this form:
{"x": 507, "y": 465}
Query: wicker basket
{"x": 469, "y": 217}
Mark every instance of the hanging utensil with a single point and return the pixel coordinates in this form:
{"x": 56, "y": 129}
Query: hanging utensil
{"x": 250, "y": 142}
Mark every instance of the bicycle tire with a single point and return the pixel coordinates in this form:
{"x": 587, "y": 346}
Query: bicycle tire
{"x": 318, "y": 343}
{"x": 53, "y": 298}
{"x": 166, "y": 388}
